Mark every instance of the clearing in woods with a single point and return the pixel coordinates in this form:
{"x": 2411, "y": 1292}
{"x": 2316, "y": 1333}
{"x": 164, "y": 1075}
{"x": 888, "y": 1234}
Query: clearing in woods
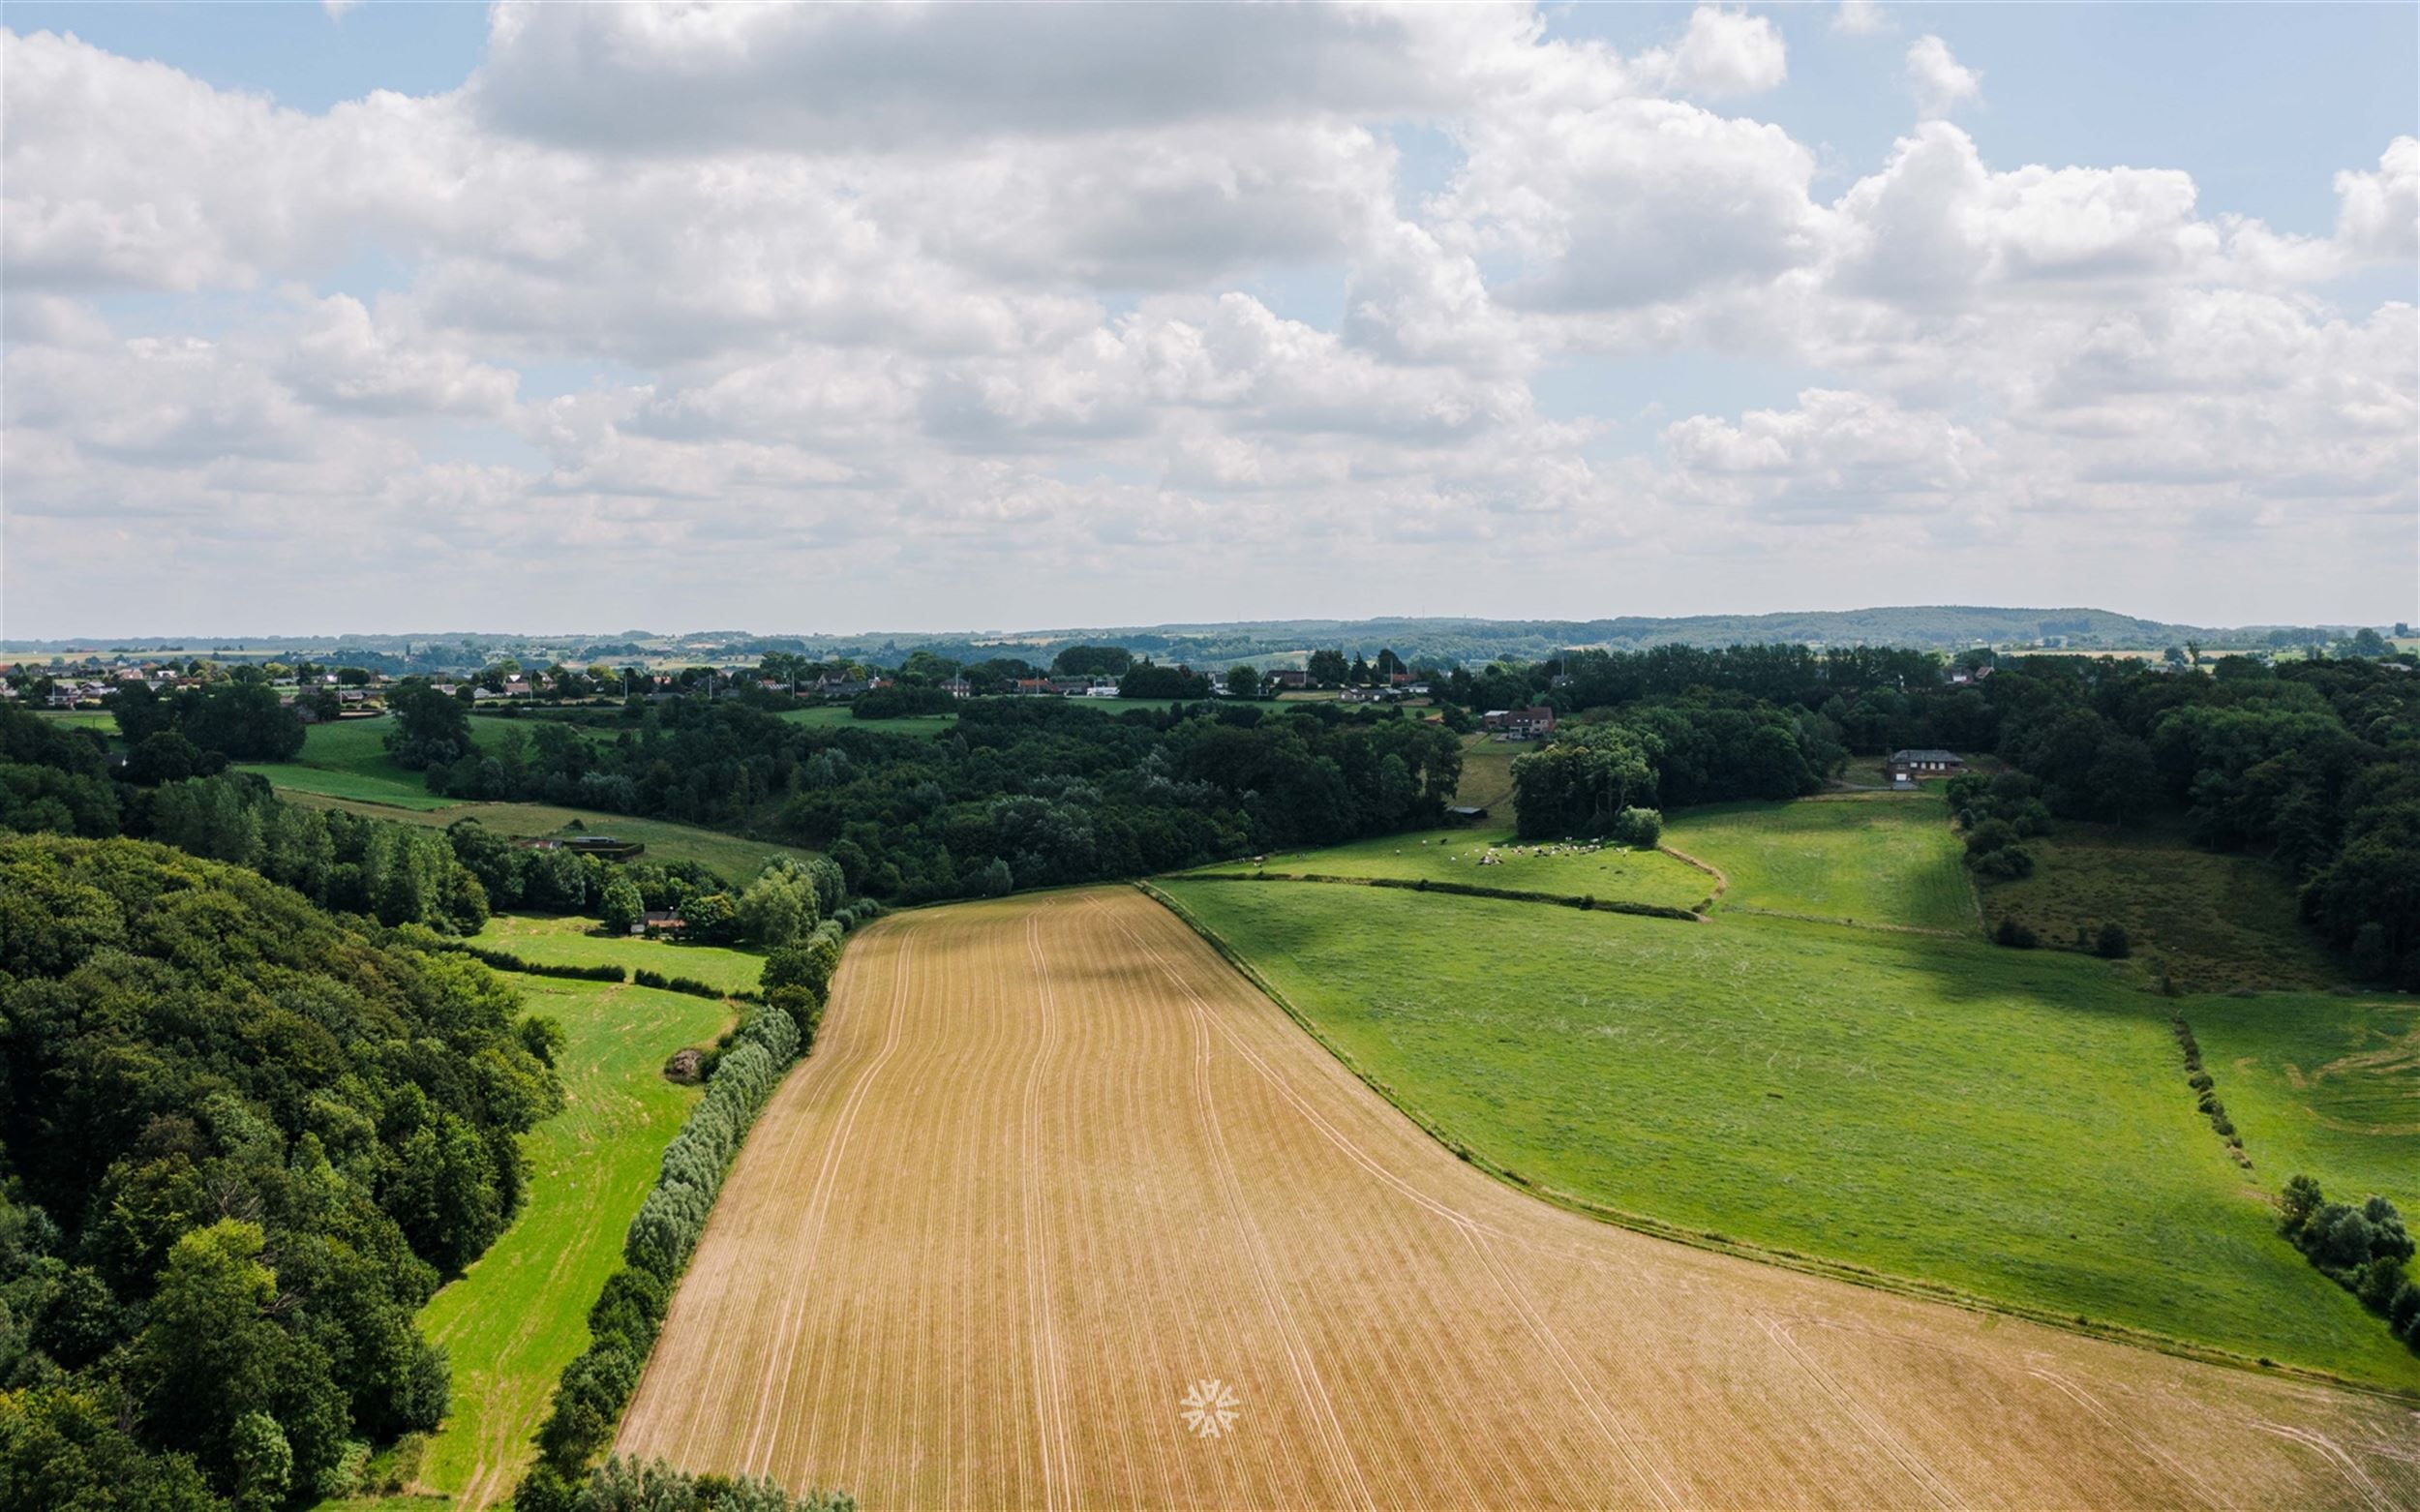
{"x": 519, "y": 1314}
{"x": 1056, "y": 1177}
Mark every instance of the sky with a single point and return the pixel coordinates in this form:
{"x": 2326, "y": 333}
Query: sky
{"x": 389, "y": 318}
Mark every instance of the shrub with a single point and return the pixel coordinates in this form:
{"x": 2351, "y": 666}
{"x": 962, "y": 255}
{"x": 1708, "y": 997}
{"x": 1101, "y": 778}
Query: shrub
{"x": 2014, "y": 935}
{"x": 2112, "y": 945}
{"x": 1641, "y": 828}
{"x": 2008, "y": 864}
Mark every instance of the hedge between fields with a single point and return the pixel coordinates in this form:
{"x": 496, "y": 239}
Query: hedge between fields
{"x": 629, "y": 1312}
{"x": 1583, "y": 901}
{"x": 506, "y": 961}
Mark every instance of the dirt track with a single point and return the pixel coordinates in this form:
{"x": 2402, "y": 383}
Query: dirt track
{"x": 1054, "y": 1162}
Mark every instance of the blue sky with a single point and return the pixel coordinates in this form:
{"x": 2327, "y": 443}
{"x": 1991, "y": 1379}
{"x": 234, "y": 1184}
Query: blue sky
{"x": 724, "y": 299}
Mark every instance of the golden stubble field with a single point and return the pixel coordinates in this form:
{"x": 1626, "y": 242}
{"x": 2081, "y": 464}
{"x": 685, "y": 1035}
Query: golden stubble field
{"x": 1055, "y": 1166}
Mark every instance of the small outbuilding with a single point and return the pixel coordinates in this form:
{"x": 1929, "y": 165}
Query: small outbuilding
{"x": 1910, "y": 766}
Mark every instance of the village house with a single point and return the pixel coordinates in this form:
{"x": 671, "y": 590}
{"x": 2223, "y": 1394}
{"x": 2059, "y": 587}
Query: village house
{"x": 1286, "y": 678}
{"x": 1520, "y": 724}
{"x": 959, "y": 687}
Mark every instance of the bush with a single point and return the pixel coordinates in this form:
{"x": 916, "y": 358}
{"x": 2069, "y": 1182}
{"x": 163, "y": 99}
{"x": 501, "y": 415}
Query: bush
{"x": 2113, "y": 944}
{"x": 1641, "y": 828}
{"x": 2007, "y": 863}
{"x": 2014, "y": 935}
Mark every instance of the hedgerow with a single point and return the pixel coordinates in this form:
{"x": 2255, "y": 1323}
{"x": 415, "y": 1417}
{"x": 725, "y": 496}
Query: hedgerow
{"x": 622, "y": 1326}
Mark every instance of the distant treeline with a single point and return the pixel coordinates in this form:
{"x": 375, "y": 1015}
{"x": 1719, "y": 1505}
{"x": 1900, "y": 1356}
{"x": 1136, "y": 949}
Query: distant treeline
{"x": 1023, "y": 792}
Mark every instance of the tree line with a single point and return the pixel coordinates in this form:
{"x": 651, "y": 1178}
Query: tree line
{"x": 1019, "y": 793}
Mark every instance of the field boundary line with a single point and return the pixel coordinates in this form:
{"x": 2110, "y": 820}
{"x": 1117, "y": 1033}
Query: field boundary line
{"x": 1724, "y": 1244}
{"x": 1586, "y": 903}
{"x": 1722, "y": 878}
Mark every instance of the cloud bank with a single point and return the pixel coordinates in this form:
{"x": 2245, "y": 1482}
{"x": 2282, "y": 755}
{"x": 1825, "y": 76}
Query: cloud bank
{"x": 955, "y": 315}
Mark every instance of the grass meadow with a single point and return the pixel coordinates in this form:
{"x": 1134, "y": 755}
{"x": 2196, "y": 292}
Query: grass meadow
{"x": 2320, "y": 1084}
{"x": 836, "y": 717}
{"x": 2015, "y": 1125}
{"x": 1453, "y": 856}
{"x": 733, "y": 858}
{"x": 2218, "y": 921}
{"x": 99, "y": 720}
{"x": 564, "y": 940}
{"x": 348, "y": 759}
{"x": 519, "y": 1314}
{"x": 1888, "y": 860}
{"x": 1487, "y": 775}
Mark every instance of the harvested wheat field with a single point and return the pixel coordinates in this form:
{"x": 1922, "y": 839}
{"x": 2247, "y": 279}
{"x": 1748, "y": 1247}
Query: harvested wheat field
{"x": 1054, "y": 1164}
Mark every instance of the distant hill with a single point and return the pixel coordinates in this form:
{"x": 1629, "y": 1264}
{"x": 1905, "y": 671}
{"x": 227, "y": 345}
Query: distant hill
{"x": 1935, "y": 626}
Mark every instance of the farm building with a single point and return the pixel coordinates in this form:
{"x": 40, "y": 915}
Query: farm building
{"x": 661, "y": 922}
{"x": 1910, "y": 766}
{"x": 1464, "y": 814}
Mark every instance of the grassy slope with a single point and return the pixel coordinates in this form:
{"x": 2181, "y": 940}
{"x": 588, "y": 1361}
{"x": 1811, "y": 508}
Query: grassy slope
{"x": 556, "y": 940}
{"x": 733, "y": 858}
{"x": 1487, "y": 775}
{"x": 520, "y": 1314}
{"x": 1888, "y": 860}
{"x": 349, "y": 760}
{"x": 2218, "y": 921}
{"x": 2320, "y": 1084}
{"x": 1453, "y": 856}
{"x": 2013, "y": 1124}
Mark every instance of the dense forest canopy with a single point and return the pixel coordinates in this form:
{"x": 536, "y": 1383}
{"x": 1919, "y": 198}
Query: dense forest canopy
{"x": 1021, "y": 793}
{"x": 241, "y": 1145}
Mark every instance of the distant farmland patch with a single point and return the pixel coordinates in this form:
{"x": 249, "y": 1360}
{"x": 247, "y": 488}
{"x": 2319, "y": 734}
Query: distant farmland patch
{"x": 733, "y": 858}
{"x": 348, "y": 759}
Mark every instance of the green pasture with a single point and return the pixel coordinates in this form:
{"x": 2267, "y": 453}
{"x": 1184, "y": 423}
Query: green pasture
{"x": 836, "y": 717}
{"x": 2216, "y": 921}
{"x": 1487, "y": 776}
{"x": 99, "y": 720}
{"x": 2013, "y": 1125}
{"x": 519, "y": 1314}
{"x": 348, "y": 759}
{"x": 2320, "y": 1084}
{"x": 1609, "y": 874}
{"x": 1888, "y": 860}
{"x": 558, "y": 940}
{"x": 733, "y": 858}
